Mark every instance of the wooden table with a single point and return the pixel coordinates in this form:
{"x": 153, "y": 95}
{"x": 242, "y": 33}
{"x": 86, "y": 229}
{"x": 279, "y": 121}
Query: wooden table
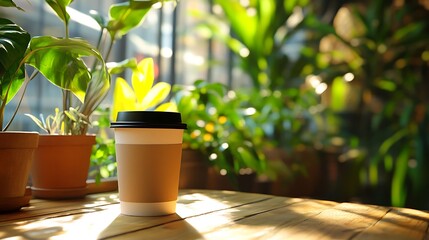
{"x": 205, "y": 214}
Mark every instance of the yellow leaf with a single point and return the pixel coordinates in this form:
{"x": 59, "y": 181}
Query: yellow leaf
{"x": 123, "y": 97}
{"x": 167, "y": 107}
{"x": 156, "y": 95}
{"x": 142, "y": 78}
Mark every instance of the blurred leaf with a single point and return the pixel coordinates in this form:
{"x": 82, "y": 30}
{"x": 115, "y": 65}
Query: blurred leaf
{"x": 339, "y": 94}
{"x": 98, "y": 18}
{"x": 249, "y": 159}
{"x": 406, "y": 114}
{"x": 237, "y": 16}
{"x": 59, "y": 7}
{"x": 409, "y": 32}
{"x": 290, "y": 5}
{"x": 373, "y": 173}
{"x": 388, "y": 162}
{"x": 386, "y": 85}
{"x": 9, "y": 3}
{"x": 119, "y": 67}
{"x": 388, "y": 143}
{"x": 399, "y": 190}
{"x": 104, "y": 172}
{"x": 126, "y": 16}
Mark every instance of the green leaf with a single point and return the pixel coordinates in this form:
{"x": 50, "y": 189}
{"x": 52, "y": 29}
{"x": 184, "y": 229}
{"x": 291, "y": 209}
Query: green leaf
{"x": 98, "y": 18}
{"x": 9, "y": 3}
{"x": 97, "y": 90}
{"x": 249, "y": 159}
{"x": 399, "y": 191}
{"x": 59, "y": 6}
{"x": 126, "y": 16}
{"x": 238, "y": 17}
{"x": 409, "y": 32}
{"x": 386, "y": 84}
{"x": 290, "y": 5}
{"x": 38, "y": 122}
{"x": 60, "y": 61}
{"x": 119, "y": 67}
{"x": 340, "y": 92}
{"x": 13, "y": 44}
{"x": 388, "y": 143}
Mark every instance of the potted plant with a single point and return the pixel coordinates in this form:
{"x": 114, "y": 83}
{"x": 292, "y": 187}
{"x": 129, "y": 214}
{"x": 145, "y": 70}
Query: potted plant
{"x": 218, "y": 130}
{"x": 16, "y": 148}
{"x": 385, "y": 50}
{"x": 61, "y": 62}
{"x": 278, "y": 93}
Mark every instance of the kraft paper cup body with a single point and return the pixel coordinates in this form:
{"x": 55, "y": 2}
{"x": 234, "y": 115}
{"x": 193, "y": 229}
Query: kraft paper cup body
{"x": 148, "y": 168}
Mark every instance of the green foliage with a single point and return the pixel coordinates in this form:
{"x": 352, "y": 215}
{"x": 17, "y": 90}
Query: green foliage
{"x": 280, "y": 96}
{"x": 259, "y": 33}
{"x": 9, "y": 3}
{"x": 61, "y": 60}
{"x": 217, "y": 127}
{"x": 103, "y": 156}
{"x": 123, "y": 17}
{"x": 281, "y": 118}
{"x": 385, "y": 51}
{"x": 52, "y": 123}
{"x": 13, "y": 44}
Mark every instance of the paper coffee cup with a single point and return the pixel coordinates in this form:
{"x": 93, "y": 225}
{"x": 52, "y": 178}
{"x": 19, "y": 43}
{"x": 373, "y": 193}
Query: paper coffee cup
{"x": 148, "y": 153}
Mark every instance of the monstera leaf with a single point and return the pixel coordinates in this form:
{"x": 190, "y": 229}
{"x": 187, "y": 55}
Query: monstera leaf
{"x": 13, "y": 44}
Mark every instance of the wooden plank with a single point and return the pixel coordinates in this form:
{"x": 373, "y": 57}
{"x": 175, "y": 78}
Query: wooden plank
{"x": 107, "y": 220}
{"x": 343, "y": 221}
{"x": 231, "y": 223}
{"x": 399, "y": 224}
{"x": 193, "y": 203}
{"x": 216, "y": 215}
{"x": 49, "y": 208}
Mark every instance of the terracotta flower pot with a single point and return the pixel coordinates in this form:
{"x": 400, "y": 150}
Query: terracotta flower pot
{"x": 60, "y": 167}
{"x": 193, "y": 170}
{"x": 16, "y": 155}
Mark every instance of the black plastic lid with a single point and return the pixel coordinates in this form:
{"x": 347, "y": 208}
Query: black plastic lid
{"x": 148, "y": 119}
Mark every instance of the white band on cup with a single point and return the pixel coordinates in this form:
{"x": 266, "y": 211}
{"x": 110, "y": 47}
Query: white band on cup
{"x": 148, "y": 136}
{"x": 148, "y": 209}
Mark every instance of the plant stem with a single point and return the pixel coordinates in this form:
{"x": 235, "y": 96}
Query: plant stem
{"x": 66, "y": 106}
{"x": 112, "y": 41}
{"x": 100, "y": 38}
{"x": 27, "y": 80}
